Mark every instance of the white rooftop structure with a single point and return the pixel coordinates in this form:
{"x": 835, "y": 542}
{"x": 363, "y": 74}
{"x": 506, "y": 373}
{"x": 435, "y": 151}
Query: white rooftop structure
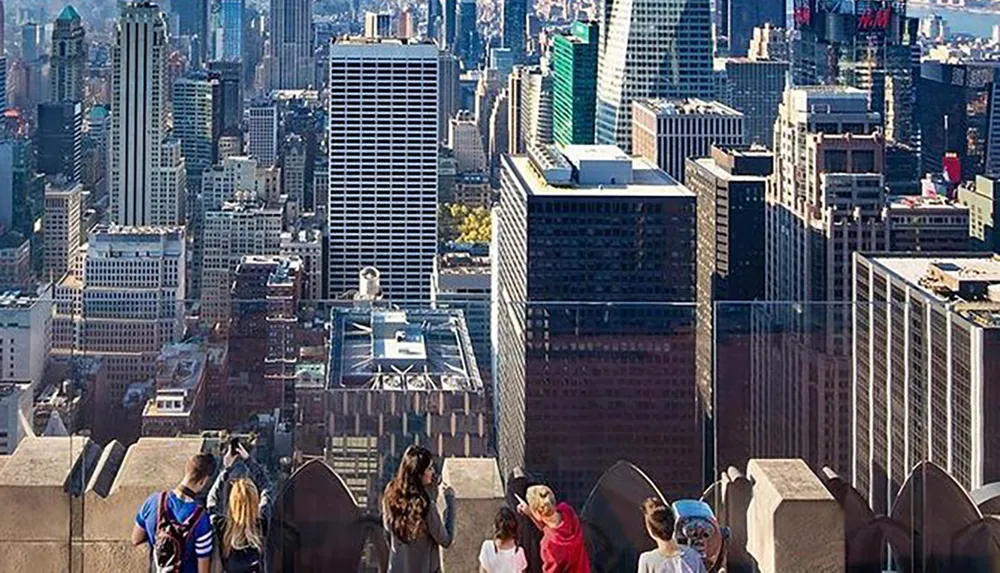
{"x": 584, "y": 170}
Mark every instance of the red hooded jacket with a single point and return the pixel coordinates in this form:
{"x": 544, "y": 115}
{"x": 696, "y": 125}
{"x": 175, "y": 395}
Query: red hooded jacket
{"x": 563, "y": 550}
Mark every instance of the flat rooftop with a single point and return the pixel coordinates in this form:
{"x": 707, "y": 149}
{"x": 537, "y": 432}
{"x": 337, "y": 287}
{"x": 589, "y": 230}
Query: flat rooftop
{"x": 648, "y": 180}
{"x": 401, "y": 350}
{"x": 935, "y": 202}
{"x": 938, "y": 277}
{"x": 687, "y": 106}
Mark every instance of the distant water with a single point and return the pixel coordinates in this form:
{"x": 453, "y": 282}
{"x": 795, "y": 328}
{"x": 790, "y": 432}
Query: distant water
{"x": 980, "y": 25}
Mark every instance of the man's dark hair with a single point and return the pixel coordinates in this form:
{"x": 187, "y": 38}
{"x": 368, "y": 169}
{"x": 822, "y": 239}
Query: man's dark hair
{"x": 199, "y": 467}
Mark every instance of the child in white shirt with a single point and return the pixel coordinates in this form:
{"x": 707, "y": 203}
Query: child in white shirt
{"x": 501, "y": 553}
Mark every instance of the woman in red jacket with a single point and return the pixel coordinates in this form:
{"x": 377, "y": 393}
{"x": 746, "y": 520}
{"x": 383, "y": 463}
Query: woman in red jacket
{"x": 562, "y": 547}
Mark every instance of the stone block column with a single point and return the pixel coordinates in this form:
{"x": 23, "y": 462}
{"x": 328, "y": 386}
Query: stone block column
{"x": 794, "y": 524}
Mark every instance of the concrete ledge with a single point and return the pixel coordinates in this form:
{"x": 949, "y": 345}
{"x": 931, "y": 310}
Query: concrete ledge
{"x": 51, "y": 524}
{"x": 478, "y": 495}
{"x": 149, "y": 465}
{"x": 794, "y": 522}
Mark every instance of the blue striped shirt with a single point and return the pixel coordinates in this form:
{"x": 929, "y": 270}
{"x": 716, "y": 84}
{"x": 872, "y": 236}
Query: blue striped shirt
{"x": 199, "y": 544}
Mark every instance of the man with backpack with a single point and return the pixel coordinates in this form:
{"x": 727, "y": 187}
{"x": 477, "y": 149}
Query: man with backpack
{"x": 176, "y": 525}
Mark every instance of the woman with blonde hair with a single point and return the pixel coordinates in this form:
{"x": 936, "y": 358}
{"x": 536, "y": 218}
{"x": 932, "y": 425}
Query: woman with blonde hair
{"x": 562, "y": 547}
{"x": 242, "y": 522}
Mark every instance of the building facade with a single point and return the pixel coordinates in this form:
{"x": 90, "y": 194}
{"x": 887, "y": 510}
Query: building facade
{"x": 668, "y": 132}
{"x": 195, "y": 124}
{"x": 383, "y": 206}
{"x": 754, "y": 88}
{"x": 730, "y": 185}
{"x": 140, "y": 194}
{"x": 574, "y": 84}
{"x": 925, "y": 349}
{"x": 650, "y": 49}
{"x": 579, "y": 385}
{"x": 826, "y": 201}
{"x": 262, "y": 133}
{"x": 59, "y": 140}
{"x": 67, "y": 57}
{"x": 62, "y": 229}
{"x": 291, "y": 44}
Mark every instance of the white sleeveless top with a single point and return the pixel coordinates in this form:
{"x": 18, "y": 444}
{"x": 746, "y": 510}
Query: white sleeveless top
{"x": 502, "y": 560}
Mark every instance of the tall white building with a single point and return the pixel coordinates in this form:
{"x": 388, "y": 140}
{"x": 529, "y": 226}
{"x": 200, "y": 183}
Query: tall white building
{"x": 139, "y": 195}
{"x": 262, "y": 133}
{"x": 126, "y": 301}
{"x": 291, "y": 48}
{"x": 650, "y": 49}
{"x": 383, "y": 162}
{"x": 193, "y": 120}
{"x": 245, "y": 226}
{"x": 535, "y": 107}
{"x": 668, "y": 132}
{"x": 61, "y": 227}
{"x": 924, "y": 352}
{"x": 25, "y": 334}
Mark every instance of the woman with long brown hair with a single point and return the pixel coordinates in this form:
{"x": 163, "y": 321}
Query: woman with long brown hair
{"x": 411, "y": 518}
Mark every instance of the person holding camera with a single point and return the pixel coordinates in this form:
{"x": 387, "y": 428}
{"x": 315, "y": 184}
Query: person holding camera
{"x": 240, "y": 505}
{"x": 410, "y": 516}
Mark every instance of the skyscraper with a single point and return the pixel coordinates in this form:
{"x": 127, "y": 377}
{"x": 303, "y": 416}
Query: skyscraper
{"x": 139, "y": 120}
{"x": 730, "y": 185}
{"x": 924, "y": 357}
{"x": 62, "y": 222}
{"x": 840, "y": 43}
{"x": 450, "y": 13}
{"x": 59, "y": 139}
{"x": 383, "y": 149}
{"x": 743, "y": 16}
{"x": 535, "y": 107}
{"x": 574, "y": 84}
{"x": 291, "y": 38}
{"x": 669, "y": 132}
{"x": 580, "y": 385}
{"x": 956, "y": 116}
{"x": 228, "y": 98}
{"x": 800, "y": 391}
{"x": 194, "y": 124}
{"x": 515, "y": 14}
{"x": 227, "y": 29}
{"x": 262, "y": 133}
{"x": 192, "y": 15}
{"x": 67, "y": 58}
{"x": 652, "y": 49}
{"x": 245, "y": 226}
{"x": 754, "y": 87}
{"x": 468, "y": 45}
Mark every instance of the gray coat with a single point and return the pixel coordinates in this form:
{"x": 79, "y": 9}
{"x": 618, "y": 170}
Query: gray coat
{"x": 423, "y": 555}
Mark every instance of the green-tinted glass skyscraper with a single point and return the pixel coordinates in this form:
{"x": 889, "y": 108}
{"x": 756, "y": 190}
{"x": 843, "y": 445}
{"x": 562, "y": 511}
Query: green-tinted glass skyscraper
{"x": 574, "y": 84}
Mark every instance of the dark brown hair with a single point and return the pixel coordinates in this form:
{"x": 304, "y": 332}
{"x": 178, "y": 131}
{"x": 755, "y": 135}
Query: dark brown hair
{"x": 405, "y": 500}
{"x": 199, "y": 467}
{"x": 659, "y": 518}
{"x": 505, "y": 524}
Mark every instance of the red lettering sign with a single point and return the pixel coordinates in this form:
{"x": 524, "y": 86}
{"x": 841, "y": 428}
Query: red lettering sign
{"x": 802, "y": 15}
{"x": 875, "y": 19}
